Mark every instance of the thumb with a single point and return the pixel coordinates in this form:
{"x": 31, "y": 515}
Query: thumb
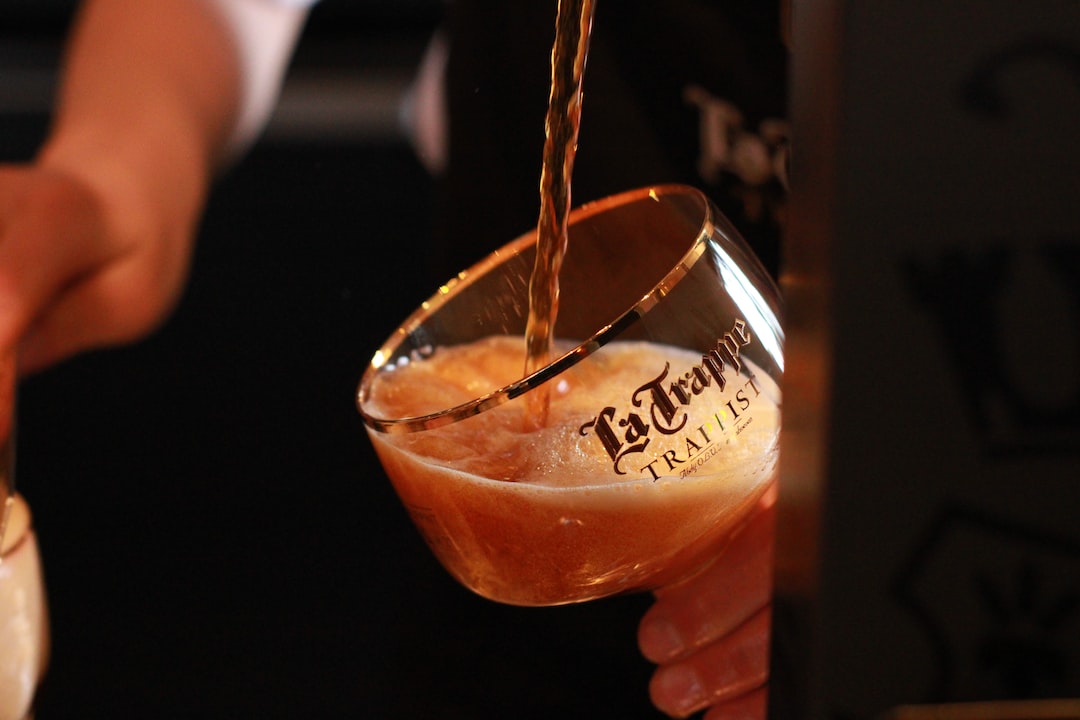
{"x": 52, "y": 233}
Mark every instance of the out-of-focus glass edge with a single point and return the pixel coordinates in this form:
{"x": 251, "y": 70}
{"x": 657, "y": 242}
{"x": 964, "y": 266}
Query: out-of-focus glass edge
{"x": 7, "y": 459}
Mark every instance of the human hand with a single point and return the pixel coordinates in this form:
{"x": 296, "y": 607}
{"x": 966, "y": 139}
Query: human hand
{"x": 72, "y": 275}
{"x": 96, "y": 235}
{"x": 709, "y": 635}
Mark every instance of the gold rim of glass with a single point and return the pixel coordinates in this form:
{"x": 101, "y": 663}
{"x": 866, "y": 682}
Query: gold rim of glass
{"x": 604, "y": 335}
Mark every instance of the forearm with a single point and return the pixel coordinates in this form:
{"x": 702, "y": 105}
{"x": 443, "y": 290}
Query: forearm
{"x": 147, "y": 100}
{"x": 96, "y": 234}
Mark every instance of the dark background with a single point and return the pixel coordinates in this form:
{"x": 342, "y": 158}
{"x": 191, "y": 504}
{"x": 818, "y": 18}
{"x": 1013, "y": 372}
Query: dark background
{"x": 218, "y": 538}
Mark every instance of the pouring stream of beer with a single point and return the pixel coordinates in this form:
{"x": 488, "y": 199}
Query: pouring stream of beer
{"x": 573, "y": 26}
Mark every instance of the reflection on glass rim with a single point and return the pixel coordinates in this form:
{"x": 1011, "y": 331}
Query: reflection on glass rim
{"x": 381, "y": 361}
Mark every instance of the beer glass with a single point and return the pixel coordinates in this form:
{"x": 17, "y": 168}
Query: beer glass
{"x": 661, "y": 406}
{"x": 23, "y": 617}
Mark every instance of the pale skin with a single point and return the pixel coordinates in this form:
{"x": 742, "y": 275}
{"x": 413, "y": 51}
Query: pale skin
{"x": 96, "y": 235}
{"x": 709, "y": 635}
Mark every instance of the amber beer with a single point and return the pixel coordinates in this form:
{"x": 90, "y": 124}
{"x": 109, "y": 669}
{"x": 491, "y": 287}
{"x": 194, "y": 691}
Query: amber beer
{"x": 605, "y": 498}
{"x": 663, "y": 405}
